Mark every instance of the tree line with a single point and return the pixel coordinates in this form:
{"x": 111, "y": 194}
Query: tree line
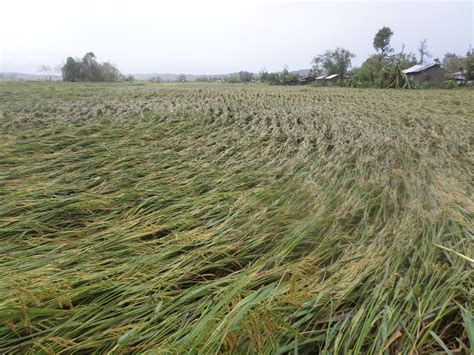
{"x": 381, "y": 69}
{"x": 89, "y": 69}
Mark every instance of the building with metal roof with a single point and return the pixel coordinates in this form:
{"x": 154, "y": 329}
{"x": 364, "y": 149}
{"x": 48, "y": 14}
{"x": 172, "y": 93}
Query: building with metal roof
{"x": 426, "y": 74}
{"x": 331, "y": 79}
{"x": 320, "y": 80}
{"x": 305, "y": 79}
{"x": 417, "y": 68}
{"x": 459, "y": 76}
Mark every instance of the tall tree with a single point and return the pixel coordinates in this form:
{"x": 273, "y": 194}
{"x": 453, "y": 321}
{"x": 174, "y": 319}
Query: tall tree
{"x": 423, "y": 51}
{"x": 90, "y": 69}
{"x": 318, "y": 65}
{"x": 284, "y": 75}
{"x": 263, "y": 75}
{"x": 368, "y": 70}
{"x": 108, "y": 72}
{"x": 337, "y": 61}
{"x": 71, "y": 70}
{"x": 245, "y": 76}
{"x": 381, "y": 42}
{"x": 382, "y": 46}
{"x": 453, "y": 62}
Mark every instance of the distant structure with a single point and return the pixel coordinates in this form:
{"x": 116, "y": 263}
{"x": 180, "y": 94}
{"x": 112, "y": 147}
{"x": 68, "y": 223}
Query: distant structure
{"x": 348, "y": 79}
{"x": 305, "y": 79}
{"x": 421, "y": 74}
{"x": 331, "y": 79}
{"x": 320, "y": 80}
{"x": 459, "y": 77}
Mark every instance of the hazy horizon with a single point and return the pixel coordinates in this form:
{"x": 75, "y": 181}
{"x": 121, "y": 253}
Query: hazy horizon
{"x": 212, "y": 37}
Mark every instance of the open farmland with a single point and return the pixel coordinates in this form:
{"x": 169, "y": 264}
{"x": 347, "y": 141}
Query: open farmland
{"x": 235, "y": 218}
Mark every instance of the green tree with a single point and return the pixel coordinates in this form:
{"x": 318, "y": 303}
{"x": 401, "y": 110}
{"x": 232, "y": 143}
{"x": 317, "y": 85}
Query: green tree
{"x": 318, "y": 65}
{"x": 90, "y": 68}
{"x": 453, "y": 62}
{"x": 263, "y": 75}
{"x": 71, "y": 71}
{"x": 337, "y": 61}
{"x": 382, "y": 46}
{"x": 368, "y": 70}
{"x": 109, "y": 72}
{"x": 232, "y": 79}
{"x": 273, "y": 78}
{"x": 284, "y": 75}
{"x": 381, "y": 42}
{"x": 245, "y": 76}
{"x": 202, "y": 79}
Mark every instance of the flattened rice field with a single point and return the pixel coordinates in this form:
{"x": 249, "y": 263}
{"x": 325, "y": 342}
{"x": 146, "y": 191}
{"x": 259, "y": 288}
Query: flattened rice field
{"x": 208, "y": 218}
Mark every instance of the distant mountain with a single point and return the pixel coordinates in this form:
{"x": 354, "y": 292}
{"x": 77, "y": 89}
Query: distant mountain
{"x": 174, "y": 77}
{"x": 138, "y": 76}
{"x": 194, "y": 77}
{"x": 29, "y": 77}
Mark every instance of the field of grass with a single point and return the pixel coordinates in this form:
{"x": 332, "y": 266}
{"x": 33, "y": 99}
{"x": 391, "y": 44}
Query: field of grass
{"x": 235, "y": 218}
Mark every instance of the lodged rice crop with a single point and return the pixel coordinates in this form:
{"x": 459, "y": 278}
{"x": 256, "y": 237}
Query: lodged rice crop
{"x": 206, "y": 218}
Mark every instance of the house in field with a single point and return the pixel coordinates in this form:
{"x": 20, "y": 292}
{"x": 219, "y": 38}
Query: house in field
{"x": 320, "y": 80}
{"x": 422, "y": 74}
{"x": 459, "y": 77}
{"x": 331, "y": 79}
{"x": 305, "y": 79}
{"x": 348, "y": 79}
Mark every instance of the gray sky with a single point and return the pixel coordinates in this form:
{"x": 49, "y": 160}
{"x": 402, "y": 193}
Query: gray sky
{"x": 213, "y": 37}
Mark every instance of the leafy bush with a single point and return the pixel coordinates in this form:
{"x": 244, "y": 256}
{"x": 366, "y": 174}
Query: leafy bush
{"x": 394, "y": 78}
{"x": 448, "y": 84}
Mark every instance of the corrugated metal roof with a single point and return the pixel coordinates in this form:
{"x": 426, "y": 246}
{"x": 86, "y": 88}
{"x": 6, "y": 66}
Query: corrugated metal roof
{"x": 459, "y": 75}
{"x": 331, "y": 76}
{"x": 321, "y": 77}
{"x": 418, "y": 68}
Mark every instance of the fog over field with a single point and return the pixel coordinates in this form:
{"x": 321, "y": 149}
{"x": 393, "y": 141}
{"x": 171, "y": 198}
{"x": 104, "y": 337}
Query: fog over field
{"x": 216, "y": 37}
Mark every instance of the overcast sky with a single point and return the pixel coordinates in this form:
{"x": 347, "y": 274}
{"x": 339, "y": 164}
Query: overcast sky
{"x": 213, "y": 37}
